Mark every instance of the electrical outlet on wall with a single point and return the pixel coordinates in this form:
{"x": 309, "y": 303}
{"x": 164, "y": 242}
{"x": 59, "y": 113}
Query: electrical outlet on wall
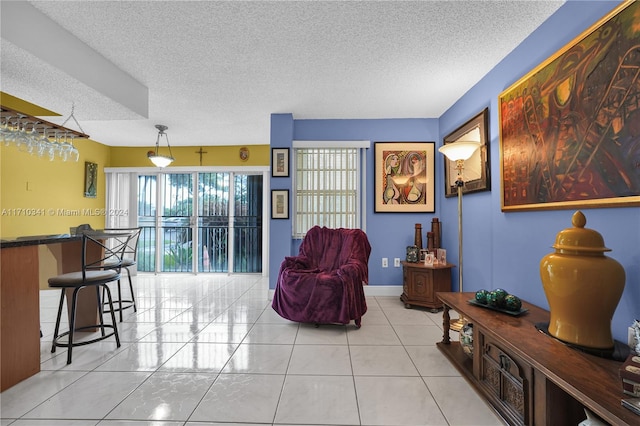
{"x": 385, "y": 262}
{"x": 396, "y": 262}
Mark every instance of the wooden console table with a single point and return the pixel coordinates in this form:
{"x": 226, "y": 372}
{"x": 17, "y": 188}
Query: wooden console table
{"x": 420, "y": 283}
{"x": 531, "y": 378}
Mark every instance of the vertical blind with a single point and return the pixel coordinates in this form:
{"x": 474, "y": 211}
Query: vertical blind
{"x": 118, "y": 212}
{"x": 328, "y": 188}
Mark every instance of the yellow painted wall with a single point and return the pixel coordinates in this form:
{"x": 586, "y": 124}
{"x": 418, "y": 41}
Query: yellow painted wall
{"x": 259, "y": 155}
{"x": 40, "y": 197}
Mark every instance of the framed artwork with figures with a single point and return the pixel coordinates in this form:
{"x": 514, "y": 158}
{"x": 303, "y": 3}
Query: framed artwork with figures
{"x": 404, "y": 180}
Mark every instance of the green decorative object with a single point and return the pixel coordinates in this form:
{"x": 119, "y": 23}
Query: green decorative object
{"x": 496, "y": 298}
{"x": 491, "y": 299}
{"x": 500, "y": 296}
{"x": 512, "y": 303}
{"x": 481, "y": 296}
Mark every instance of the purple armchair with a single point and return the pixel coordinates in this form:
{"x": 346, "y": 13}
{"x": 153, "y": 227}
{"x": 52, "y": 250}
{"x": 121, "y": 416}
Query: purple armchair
{"x": 324, "y": 283}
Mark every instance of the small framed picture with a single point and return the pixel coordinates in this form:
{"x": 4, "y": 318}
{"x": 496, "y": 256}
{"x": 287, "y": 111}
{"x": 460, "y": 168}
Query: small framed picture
{"x": 442, "y": 256}
{"x": 280, "y": 204}
{"x": 423, "y": 254}
{"x": 279, "y": 162}
{"x": 429, "y": 259}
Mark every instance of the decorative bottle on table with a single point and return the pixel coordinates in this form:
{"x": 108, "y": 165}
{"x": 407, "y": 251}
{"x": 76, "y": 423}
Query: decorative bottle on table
{"x": 418, "y": 237}
{"x": 437, "y": 236}
{"x": 430, "y": 247}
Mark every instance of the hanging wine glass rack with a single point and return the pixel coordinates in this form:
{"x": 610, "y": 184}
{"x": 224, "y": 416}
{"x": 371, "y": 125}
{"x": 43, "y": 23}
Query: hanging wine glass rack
{"x": 41, "y": 126}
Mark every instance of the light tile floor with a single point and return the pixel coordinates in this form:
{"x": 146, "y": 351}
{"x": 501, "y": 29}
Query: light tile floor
{"x": 209, "y": 349}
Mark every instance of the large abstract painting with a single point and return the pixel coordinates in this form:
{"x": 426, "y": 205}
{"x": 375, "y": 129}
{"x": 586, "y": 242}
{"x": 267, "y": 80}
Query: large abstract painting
{"x": 570, "y": 129}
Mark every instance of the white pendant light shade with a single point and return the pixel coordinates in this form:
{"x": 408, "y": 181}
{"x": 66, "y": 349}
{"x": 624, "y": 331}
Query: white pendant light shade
{"x": 157, "y": 159}
{"x": 160, "y": 160}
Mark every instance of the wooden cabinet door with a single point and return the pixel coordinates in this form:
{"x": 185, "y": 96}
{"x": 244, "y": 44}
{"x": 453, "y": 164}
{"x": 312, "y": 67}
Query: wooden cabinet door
{"x": 421, "y": 283}
{"x": 507, "y": 380}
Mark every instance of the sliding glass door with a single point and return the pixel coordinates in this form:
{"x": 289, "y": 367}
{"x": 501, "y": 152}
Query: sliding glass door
{"x": 247, "y": 223}
{"x": 213, "y": 221}
{"x": 147, "y": 210}
{"x": 207, "y": 222}
{"x": 175, "y": 223}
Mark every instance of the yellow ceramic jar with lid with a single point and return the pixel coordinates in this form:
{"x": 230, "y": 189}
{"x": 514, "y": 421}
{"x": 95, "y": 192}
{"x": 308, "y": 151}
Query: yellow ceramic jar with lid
{"x": 582, "y": 285}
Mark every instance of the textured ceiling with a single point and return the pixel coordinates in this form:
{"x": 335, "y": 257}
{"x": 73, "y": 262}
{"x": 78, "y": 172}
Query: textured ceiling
{"x": 216, "y": 70}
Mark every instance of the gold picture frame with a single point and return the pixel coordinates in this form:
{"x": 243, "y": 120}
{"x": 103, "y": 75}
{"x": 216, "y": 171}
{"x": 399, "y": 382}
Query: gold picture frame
{"x": 569, "y": 136}
{"x": 477, "y": 169}
{"x": 404, "y": 181}
{"x": 90, "y": 179}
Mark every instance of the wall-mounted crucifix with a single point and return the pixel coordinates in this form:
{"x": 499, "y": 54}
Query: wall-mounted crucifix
{"x": 200, "y": 151}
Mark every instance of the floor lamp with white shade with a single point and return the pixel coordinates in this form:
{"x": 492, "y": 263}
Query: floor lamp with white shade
{"x": 459, "y": 152}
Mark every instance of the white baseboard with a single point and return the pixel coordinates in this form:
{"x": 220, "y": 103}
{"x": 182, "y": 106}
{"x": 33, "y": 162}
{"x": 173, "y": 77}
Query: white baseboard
{"x": 383, "y": 290}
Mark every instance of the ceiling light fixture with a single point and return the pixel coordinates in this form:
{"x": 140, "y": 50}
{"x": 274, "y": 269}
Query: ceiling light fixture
{"x": 157, "y": 159}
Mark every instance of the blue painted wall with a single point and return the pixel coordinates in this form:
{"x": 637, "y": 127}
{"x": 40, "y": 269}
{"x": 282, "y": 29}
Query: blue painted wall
{"x": 389, "y": 233}
{"x": 500, "y": 249}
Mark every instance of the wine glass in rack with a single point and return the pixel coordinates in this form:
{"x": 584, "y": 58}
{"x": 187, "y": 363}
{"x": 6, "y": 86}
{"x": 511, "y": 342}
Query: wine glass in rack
{"x": 33, "y": 138}
{"x": 6, "y": 132}
{"x": 74, "y": 154}
{"x": 65, "y": 148}
{"x": 43, "y": 143}
{"x": 54, "y": 147}
{"x": 21, "y": 138}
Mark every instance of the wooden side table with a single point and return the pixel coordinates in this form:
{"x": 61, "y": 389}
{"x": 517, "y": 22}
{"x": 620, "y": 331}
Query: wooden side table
{"x": 420, "y": 283}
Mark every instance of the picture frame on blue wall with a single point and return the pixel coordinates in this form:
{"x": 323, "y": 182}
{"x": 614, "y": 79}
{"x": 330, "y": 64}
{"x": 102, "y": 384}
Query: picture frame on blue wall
{"x": 404, "y": 177}
{"x": 279, "y": 162}
{"x": 477, "y": 169}
{"x": 569, "y": 133}
{"x": 279, "y": 204}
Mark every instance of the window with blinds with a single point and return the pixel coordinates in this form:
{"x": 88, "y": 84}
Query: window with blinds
{"x": 328, "y": 187}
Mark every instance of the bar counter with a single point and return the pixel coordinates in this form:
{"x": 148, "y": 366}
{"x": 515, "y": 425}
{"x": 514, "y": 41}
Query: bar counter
{"x": 35, "y": 240}
{"x": 20, "y": 301}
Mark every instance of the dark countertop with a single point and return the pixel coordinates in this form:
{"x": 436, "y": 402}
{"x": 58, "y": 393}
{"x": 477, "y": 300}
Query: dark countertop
{"x": 34, "y": 240}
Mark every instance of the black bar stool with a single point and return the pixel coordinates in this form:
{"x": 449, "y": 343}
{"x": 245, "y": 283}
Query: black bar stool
{"x": 95, "y": 274}
{"x": 128, "y": 261}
